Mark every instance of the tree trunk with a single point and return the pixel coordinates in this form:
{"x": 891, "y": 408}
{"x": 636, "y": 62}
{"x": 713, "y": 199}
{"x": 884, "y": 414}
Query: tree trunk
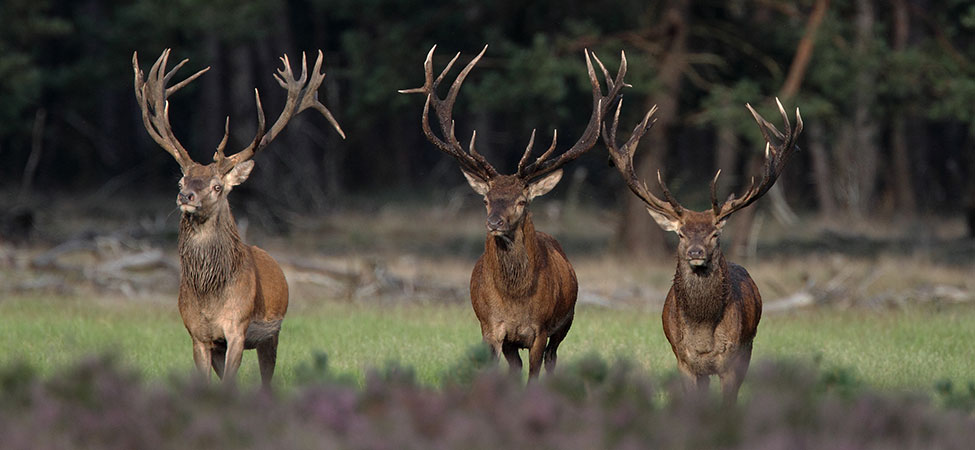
{"x": 638, "y": 235}
{"x": 800, "y": 62}
{"x": 744, "y": 219}
{"x": 210, "y": 114}
{"x": 822, "y": 174}
{"x": 901, "y": 177}
{"x": 864, "y": 151}
{"x": 793, "y": 81}
{"x": 726, "y": 155}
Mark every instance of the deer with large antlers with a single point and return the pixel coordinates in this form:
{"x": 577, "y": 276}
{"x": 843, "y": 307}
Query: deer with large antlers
{"x": 523, "y": 288}
{"x": 232, "y": 296}
{"x": 712, "y": 310}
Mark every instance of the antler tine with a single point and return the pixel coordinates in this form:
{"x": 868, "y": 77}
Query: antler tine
{"x": 623, "y": 160}
{"x": 551, "y": 148}
{"x": 785, "y": 118}
{"x": 667, "y": 195}
{"x": 470, "y": 161}
{"x": 619, "y": 78}
{"x": 775, "y": 159}
{"x": 601, "y": 103}
{"x": 151, "y": 93}
{"x": 526, "y": 173}
{"x": 528, "y": 151}
{"x": 218, "y": 155}
{"x": 606, "y": 75}
{"x": 714, "y": 194}
{"x": 170, "y": 90}
{"x": 302, "y": 94}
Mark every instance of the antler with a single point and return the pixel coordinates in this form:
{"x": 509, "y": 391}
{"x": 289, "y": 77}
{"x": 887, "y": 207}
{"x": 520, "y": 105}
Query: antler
{"x": 775, "y": 159}
{"x": 600, "y": 104}
{"x": 302, "y": 94}
{"x": 472, "y": 162}
{"x": 623, "y": 160}
{"x": 152, "y": 94}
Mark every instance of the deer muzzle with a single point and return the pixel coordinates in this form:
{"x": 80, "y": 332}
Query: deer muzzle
{"x": 697, "y": 256}
{"x": 187, "y": 201}
{"x": 496, "y": 225}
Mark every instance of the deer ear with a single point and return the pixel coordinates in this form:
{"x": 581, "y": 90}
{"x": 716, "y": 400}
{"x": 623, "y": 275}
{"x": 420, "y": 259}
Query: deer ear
{"x": 480, "y": 186}
{"x": 666, "y": 222}
{"x": 541, "y": 187}
{"x": 238, "y": 174}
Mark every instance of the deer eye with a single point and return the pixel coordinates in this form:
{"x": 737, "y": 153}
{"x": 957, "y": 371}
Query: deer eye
{"x": 485, "y": 201}
{"x": 522, "y": 202}
{"x": 217, "y": 188}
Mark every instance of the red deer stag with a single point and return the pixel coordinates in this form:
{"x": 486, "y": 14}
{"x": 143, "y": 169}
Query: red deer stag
{"x": 523, "y": 288}
{"x": 712, "y": 310}
{"x": 232, "y": 296}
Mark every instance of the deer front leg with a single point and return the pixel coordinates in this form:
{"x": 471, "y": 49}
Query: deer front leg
{"x": 733, "y": 376}
{"x": 535, "y": 354}
{"x": 201, "y": 357}
{"x": 493, "y": 335}
{"x": 510, "y": 351}
{"x": 693, "y": 382}
{"x": 235, "y": 352}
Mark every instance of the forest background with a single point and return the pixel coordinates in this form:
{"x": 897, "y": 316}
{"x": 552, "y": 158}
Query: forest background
{"x": 886, "y": 90}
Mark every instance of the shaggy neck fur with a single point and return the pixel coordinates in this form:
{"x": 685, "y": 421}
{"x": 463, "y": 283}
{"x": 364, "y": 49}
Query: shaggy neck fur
{"x": 515, "y": 258}
{"x": 210, "y": 250}
{"x": 702, "y": 292}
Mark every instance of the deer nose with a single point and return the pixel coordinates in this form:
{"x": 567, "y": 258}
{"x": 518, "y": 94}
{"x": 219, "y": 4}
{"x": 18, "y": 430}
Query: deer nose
{"x": 695, "y": 252}
{"x": 495, "y": 222}
{"x": 186, "y": 197}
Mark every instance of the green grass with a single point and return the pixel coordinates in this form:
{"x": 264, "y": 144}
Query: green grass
{"x": 907, "y": 349}
{"x": 900, "y": 349}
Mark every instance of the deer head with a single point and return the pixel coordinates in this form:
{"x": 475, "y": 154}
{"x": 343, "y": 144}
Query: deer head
{"x": 699, "y": 231}
{"x": 506, "y": 197}
{"x": 204, "y": 187}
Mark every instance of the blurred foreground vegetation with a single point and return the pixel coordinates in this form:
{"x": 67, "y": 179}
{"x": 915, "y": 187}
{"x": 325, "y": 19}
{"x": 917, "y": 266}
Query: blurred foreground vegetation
{"x": 100, "y": 404}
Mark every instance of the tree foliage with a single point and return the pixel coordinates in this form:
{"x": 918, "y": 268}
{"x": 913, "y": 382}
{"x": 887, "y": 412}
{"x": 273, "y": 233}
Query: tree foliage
{"x": 71, "y": 59}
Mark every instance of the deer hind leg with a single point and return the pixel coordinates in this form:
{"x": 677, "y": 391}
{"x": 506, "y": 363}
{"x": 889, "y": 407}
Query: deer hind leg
{"x": 554, "y": 340}
{"x": 267, "y": 355}
{"x": 510, "y": 351}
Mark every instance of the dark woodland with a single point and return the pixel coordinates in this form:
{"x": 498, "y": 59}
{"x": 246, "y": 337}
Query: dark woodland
{"x": 886, "y": 91}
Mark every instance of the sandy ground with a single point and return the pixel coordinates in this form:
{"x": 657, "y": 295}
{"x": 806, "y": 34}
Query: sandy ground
{"x": 403, "y": 253}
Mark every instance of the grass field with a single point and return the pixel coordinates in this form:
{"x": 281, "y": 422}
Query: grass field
{"x": 880, "y": 313}
{"x": 904, "y": 349}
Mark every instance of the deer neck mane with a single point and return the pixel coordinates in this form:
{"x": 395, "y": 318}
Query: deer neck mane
{"x": 210, "y": 250}
{"x": 702, "y": 293}
{"x": 515, "y": 258}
